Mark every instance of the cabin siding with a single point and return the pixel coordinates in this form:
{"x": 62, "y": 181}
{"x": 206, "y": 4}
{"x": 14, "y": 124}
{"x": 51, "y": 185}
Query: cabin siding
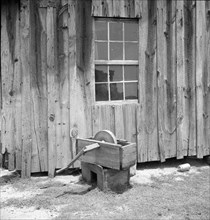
{"x": 47, "y": 81}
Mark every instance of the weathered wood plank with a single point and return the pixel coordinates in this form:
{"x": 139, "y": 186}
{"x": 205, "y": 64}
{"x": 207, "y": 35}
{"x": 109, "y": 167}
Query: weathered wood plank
{"x": 107, "y": 117}
{"x": 161, "y": 52}
{"x": 207, "y": 82}
{"x": 141, "y": 119}
{"x": 96, "y": 8}
{"x": 138, "y": 8}
{"x": 141, "y": 147}
{"x": 72, "y": 63}
{"x": 116, "y": 5}
{"x": 89, "y": 64}
{"x": 119, "y": 122}
{"x": 201, "y": 76}
{"x": 129, "y": 117}
{"x": 52, "y": 89}
{"x": 186, "y": 130}
{"x": 103, "y": 118}
{"x": 8, "y": 37}
{"x": 182, "y": 86}
{"x": 78, "y": 104}
{"x": 39, "y": 90}
{"x": 191, "y": 34}
{"x": 25, "y": 28}
{"x": 96, "y": 126}
{"x": 63, "y": 150}
{"x": 42, "y": 69}
{"x": 17, "y": 93}
{"x": 35, "y": 107}
{"x": 47, "y": 3}
{"x": 129, "y": 8}
{"x": 166, "y": 78}
{"x": 107, "y": 155}
{"x": 116, "y": 8}
{"x": 148, "y": 137}
{"x": 129, "y": 155}
{"x": 106, "y": 7}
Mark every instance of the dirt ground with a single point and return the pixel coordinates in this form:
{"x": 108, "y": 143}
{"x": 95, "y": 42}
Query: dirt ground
{"x": 157, "y": 191}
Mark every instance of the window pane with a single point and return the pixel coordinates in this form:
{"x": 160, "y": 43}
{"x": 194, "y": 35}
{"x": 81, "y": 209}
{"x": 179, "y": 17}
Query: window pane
{"x": 116, "y": 31}
{"x": 115, "y": 73}
{"x": 116, "y": 51}
{"x": 116, "y": 91}
{"x": 101, "y": 30}
{"x": 102, "y": 92}
{"x": 131, "y": 73}
{"x": 101, "y": 73}
{"x": 131, "y": 91}
{"x": 101, "y": 51}
{"x": 131, "y": 51}
{"x": 131, "y": 32}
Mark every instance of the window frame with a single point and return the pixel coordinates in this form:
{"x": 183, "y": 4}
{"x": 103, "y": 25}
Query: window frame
{"x": 109, "y": 62}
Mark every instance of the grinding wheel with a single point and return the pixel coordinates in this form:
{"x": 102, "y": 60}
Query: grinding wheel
{"x": 106, "y": 136}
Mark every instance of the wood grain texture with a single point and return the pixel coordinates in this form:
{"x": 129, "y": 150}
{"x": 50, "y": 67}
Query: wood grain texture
{"x": 116, "y": 8}
{"x": 190, "y": 64}
{"x": 119, "y": 123}
{"x": 166, "y": 44}
{"x": 186, "y": 130}
{"x": 108, "y": 155}
{"x": 103, "y": 118}
{"x": 8, "y": 36}
{"x": 39, "y": 90}
{"x": 52, "y": 90}
{"x": 207, "y": 82}
{"x": 148, "y": 83}
{"x": 182, "y": 86}
{"x": 88, "y": 44}
{"x": 17, "y": 88}
{"x": 129, "y": 155}
{"x": 202, "y": 77}
{"x": 129, "y": 117}
{"x": 63, "y": 123}
{"x": 26, "y": 90}
{"x": 48, "y": 80}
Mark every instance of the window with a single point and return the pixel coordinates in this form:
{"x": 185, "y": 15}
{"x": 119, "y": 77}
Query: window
{"x": 116, "y": 60}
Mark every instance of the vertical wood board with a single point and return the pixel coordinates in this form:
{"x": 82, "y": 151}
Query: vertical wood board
{"x": 26, "y": 90}
{"x": 148, "y": 84}
{"x": 52, "y": 89}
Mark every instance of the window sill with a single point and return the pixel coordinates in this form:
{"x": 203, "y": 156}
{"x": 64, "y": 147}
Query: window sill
{"x": 116, "y": 102}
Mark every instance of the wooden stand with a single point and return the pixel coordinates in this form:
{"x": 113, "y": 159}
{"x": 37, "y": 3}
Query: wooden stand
{"x": 105, "y": 178}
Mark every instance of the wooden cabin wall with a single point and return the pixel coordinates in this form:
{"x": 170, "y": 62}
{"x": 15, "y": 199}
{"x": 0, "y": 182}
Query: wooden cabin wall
{"x": 47, "y": 80}
{"x": 172, "y": 116}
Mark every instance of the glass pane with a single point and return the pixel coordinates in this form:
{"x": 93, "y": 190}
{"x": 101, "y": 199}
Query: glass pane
{"x": 131, "y": 73}
{"x": 116, "y": 31}
{"x": 101, "y": 32}
{"x": 131, "y": 32}
{"x": 131, "y": 51}
{"x": 101, "y": 51}
{"x": 101, "y": 73}
{"x": 102, "y": 92}
{"x": 116, "y": 51}
{"x": 115, "y": 73}
{"x": 131, "y": 91}
{"x": 116, "y": 91}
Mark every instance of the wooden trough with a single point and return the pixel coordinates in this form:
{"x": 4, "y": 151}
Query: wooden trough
{"x": 118, "y": 156}
{"x": 109, "y": 164}
{"x": 105, "y": 160}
